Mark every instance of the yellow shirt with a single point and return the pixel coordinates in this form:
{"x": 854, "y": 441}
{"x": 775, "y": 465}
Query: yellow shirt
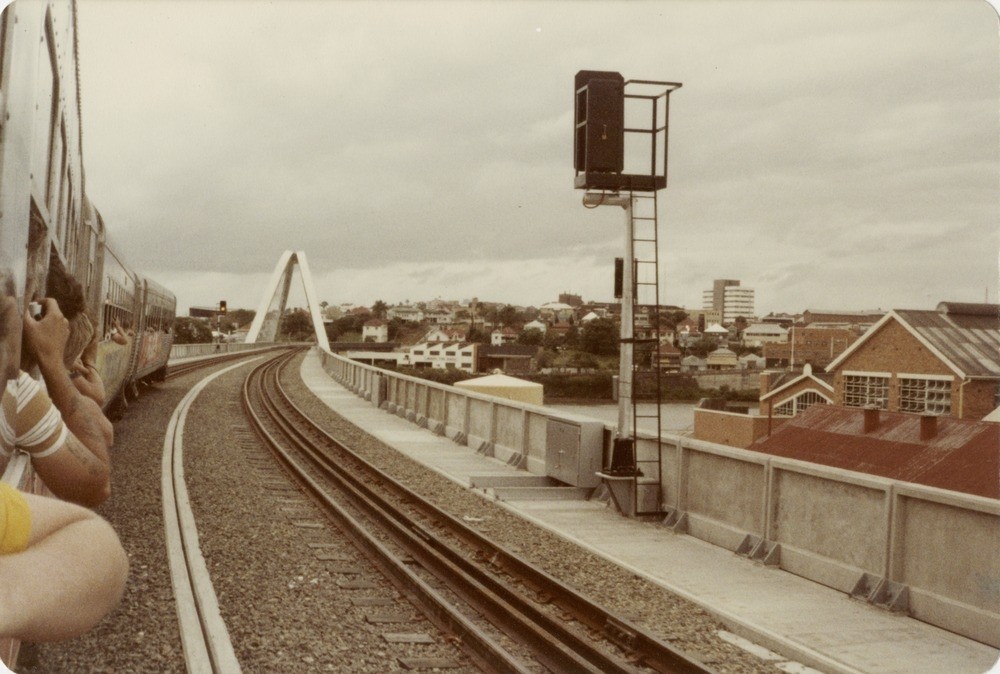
{"x": 15, "y": 520}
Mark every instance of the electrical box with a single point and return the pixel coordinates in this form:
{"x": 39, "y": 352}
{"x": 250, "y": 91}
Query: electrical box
{"x": 574, "y": 451}
{"x": 599, "y": 145}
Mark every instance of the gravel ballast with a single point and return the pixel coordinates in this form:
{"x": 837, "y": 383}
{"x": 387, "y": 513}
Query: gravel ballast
{"x": 268, "y": 550}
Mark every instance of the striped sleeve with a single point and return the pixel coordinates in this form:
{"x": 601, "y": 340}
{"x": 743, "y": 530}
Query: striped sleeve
{"x": 15, "y": 520}
{"x": 38, "y": 426}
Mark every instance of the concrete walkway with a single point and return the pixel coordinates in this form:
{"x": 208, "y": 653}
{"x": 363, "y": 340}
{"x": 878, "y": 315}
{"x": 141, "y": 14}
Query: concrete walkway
{"x": 794, "y": 622}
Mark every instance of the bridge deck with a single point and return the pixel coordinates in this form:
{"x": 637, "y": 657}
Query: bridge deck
{"x": 803, "y": 621}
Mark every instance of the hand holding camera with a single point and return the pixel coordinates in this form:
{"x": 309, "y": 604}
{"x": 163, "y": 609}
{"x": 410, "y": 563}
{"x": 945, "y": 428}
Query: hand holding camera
{"x": 45, "y": 332}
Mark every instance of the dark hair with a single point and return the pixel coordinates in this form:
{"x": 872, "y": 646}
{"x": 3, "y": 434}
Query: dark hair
{"x": 66, "y": 290}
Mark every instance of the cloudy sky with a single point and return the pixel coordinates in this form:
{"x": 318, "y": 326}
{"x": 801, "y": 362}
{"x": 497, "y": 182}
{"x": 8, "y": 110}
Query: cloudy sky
{"x": 836, "y": 154}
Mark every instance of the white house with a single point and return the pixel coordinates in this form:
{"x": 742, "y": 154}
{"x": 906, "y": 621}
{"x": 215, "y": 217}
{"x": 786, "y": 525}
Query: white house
{"x": 557, "y": 312}
{"x": 445, "y": 335}
{"x": 375, "y": 330}
{"x": 406, "y": 313}
{"x": 501, "y": 337}
{"x": 759, "y": 334}
{"x": 441, "y": 355}
{"x": 536, "y": 325}
{"x": 716, "y": 332}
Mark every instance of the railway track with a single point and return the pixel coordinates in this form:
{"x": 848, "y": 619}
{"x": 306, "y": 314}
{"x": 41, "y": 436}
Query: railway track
{"x": 204, "y": 636}
{"x": 467, "y": 585}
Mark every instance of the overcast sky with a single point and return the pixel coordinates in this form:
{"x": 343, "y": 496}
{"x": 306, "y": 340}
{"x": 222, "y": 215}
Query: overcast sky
{"x": 829, "y": 154}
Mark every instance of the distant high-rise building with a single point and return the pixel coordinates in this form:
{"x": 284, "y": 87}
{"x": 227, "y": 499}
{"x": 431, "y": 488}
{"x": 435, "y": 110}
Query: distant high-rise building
{"x": 728, "y": 297}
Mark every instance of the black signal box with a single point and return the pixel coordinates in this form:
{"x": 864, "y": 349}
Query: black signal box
{"x": 599, "y": 143}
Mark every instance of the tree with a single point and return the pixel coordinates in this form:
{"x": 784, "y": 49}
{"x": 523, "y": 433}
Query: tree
{"x": 702, "y": 347}
{"x": 380, "y": 309}
{"x": 297, "y": 325}
{"x": 507, "y": 316}
{"x": 600, "y": 337}
{"x": 552, "y": 340}
{"x": 672, "y": 318}
{"x": 531, "y": 337}
{"x": 191, "y": 331}
{"x": 237, "y": 318}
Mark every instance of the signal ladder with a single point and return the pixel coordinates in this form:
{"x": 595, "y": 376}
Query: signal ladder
{"x": 643, "y": 232}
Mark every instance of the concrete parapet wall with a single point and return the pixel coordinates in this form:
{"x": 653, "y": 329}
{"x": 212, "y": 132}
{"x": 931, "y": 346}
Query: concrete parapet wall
{"x": 927, "y": 551}
{"x": 178, "y": 351}
{"x": 511, "y": 431}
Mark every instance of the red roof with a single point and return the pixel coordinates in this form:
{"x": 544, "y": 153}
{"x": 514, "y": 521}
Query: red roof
{"x": 962, "y": 455}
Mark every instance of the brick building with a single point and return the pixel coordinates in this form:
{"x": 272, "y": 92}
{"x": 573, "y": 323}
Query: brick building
{"x": 943, "y": 362}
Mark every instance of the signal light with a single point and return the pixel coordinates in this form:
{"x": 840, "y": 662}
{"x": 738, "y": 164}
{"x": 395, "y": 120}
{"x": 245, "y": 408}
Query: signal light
{"x": 222, "y": 306}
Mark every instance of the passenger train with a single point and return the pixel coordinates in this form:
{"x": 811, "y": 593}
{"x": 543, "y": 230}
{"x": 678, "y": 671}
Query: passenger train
{"x": 46, "y": 211}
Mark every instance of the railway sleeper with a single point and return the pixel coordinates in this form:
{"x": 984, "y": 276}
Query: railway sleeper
{"x": 621, "y": 635}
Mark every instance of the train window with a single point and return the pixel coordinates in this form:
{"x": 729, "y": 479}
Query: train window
{"x": 91, "y": 255}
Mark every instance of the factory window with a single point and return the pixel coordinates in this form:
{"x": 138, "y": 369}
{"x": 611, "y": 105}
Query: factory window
{"x": 861, "y": 390}
{"x": 799, "y": 404}
{"x": 925, "y": 395}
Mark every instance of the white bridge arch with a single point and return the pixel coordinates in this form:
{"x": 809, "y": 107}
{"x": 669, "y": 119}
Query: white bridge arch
{"x": 272, "y": 306}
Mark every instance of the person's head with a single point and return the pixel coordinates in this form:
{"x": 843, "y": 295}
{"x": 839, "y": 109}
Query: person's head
{"x": 61, "y": 286}
{"x": 64, "y": 289}
{"x": 81, "y": 332}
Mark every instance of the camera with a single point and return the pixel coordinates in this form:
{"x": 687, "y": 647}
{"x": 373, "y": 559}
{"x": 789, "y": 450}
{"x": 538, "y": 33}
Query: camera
{"x": 35, "y": 310}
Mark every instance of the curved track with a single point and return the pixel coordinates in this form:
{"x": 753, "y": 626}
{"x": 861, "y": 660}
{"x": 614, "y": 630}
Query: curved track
{"x": 204, "y": 636}
{"x": 562, "y": 630}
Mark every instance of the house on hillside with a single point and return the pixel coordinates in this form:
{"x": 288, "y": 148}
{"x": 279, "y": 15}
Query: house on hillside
{"x": 442, "y": 355}
{"x": 717, "y": 332}
{"x": 556, "y": 312}
{"x": 944, "y": 362}
{"x": 722, "y": 359}
{"x": 536, "y": 325}
{"x": 693, "y": 364}
{"x": 759, "y": 334}
{"x": 445, "y": 335}
{"x": 375, "y": 330}
{"x": 405, "y": 312}
{"x": 503, "y": 336}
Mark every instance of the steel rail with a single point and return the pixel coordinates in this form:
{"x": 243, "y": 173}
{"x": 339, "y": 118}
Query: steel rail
{"x": 204, "y": 636}
{"x": 482, "y": 648}
{"x": 648, "y": 649}
{"x": 181, "y": 369}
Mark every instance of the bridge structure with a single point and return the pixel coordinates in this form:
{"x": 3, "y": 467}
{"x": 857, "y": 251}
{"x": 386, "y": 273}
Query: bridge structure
{"x": 275, "y": 300}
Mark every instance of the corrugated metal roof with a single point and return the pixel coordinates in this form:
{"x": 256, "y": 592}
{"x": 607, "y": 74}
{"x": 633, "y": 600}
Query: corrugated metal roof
{"x": 969, "y": 341}
{"x": 963, "y": 456}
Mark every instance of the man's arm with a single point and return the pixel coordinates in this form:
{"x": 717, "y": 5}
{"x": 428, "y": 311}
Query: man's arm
{"x": 81, "y": 471}
{"x": 72, "y": 573}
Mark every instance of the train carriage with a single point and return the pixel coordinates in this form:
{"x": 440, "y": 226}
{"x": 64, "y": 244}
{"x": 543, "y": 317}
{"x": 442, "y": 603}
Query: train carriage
{"x": 44, "y": 210}
{"x": 155, "y": 334}
{"x": 46, "y": 215}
